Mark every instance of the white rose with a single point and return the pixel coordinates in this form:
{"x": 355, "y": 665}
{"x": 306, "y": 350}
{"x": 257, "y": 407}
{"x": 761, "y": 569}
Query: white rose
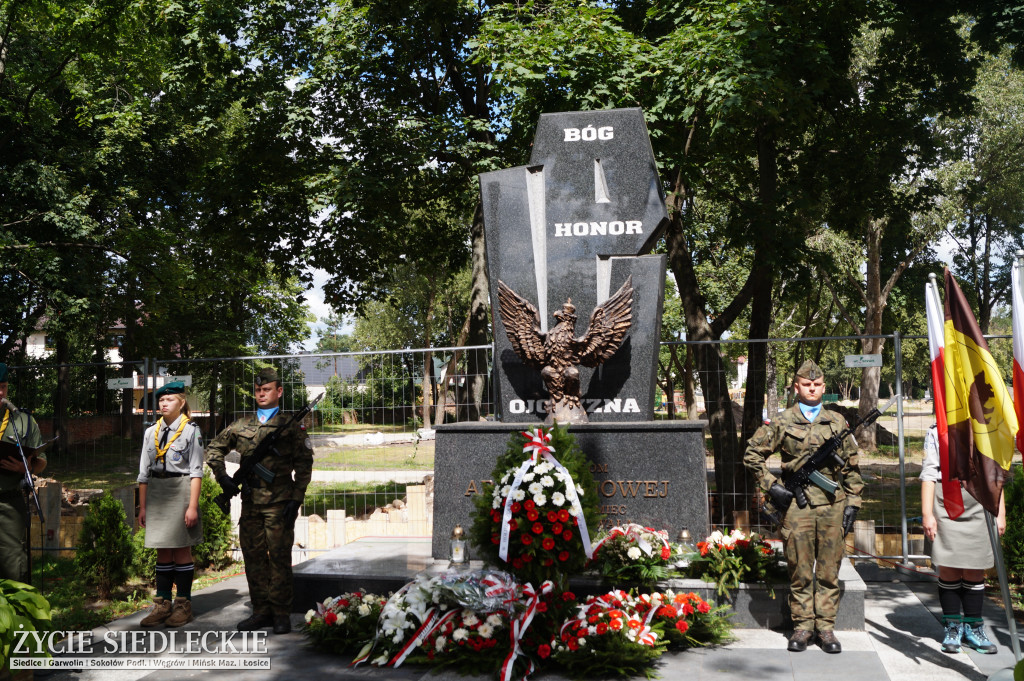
{"x": 369, "y": 598}
{"x": 485, "y": 630}
{"x": 309, "y": 616}
{"x": 582, "y": 641}
{"x": 557, "y": 498}
{"x": 440, "y": 642}
{"x": 342, "y": 617}
{"x": 547, "y": 481}
{"x": 540, "y": 499}
{"x": 633, "y": 553}
{"x": 364, "y": 610}
{"x": 460, "y": 634}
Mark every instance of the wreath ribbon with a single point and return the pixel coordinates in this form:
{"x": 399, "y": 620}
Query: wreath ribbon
{"x": 521, "y": 624}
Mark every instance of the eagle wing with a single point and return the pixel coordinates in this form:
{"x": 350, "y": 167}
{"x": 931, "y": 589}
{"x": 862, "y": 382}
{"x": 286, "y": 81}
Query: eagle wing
{"x": 522, "y": 325}
{"x": 609, "y": 325}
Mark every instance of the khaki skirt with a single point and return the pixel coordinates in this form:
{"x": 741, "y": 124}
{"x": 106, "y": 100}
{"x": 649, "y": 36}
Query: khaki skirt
{"x": 962, "y": 543}
{"x": 166, "y": 503}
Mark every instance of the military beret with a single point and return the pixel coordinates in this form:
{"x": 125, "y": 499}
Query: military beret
{"x": 268, "y": 375}
{"x": 172, "y": 388}
{"x": 3, "y": 372}
{"x": 810, "y": 371}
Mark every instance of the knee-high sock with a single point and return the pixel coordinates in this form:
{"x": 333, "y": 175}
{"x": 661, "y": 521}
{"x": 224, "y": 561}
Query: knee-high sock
{"x": 164, "y": 580}
{"x": 949, "y": 599}
{"x": 972, "y": 594}
{"x": 183, "y": 574}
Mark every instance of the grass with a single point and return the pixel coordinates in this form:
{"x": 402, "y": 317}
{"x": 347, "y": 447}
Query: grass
{"x": 356, "y": 428}
{"x": 356, "y": 499}
{"x": 75, "y": 607}
{"x": 399, "y": 456}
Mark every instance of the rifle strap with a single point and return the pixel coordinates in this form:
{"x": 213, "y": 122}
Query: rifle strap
{"x": 3, "y": 426}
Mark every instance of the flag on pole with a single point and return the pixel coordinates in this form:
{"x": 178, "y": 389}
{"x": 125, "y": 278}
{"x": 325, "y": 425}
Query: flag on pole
{"x": 1018, "y": 350}
{"x": 952, "y": 498}
{"x": 980, "y": 418}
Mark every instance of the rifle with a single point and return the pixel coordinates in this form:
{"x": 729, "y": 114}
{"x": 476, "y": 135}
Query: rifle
{"x": 775, "y": 506}
{"x": 253, "y": 464}
{"x": 26, "y": 482}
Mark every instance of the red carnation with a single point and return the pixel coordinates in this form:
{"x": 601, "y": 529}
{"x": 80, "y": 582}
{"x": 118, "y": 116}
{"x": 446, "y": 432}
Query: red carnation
{"x": 548, "y": 562}
{"x": 542, "y": 607}
{"x": 552, "y": 516}
{"x": 526, "y": 539}
{"x": 563, "y": 515}
{"x": 602, "y": 629}
{"x": 516, "y": 507}
{"x": 682, "y": 626}
{"x": 496, "y": 516}
{"x": 568, "y": 596}
{"x": 538, "y": 528}
{"x": 527, "y": 558}
{"x": 529, "y": 505}
{"x": 703, "y": 608}
{"x": 564, "y": 556}
{"x": 513, "y": 525}
{"x": 330, "y": 618}
{"x": 567, "y": 535}
{"x": 573, "y": 645}
{"x": 557, "y": 527}
{"x": 666, "y": 553}
{"x": 495, "y": 539}
{"x": 533, "y": 515}
{"x": 687, "y": 609}
{"x": 544, "y": 650}
{"x": 666, "y": 611}
{"x": 343, "y": 602}
{"x": 548, "y": 543}
{"x": 517, "y": 563}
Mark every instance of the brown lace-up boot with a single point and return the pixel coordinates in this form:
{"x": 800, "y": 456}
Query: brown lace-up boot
{"x": 181, "y": 613}
{"x": 159, "y": 614}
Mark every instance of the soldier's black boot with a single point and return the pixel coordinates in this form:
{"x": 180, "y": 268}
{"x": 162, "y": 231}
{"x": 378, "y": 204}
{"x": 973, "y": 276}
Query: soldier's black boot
{"x": 255, "y": 621}
{"x": 799, "y": 640}
{"x": 828, "y": 642}
{"x": 282, "y": 624}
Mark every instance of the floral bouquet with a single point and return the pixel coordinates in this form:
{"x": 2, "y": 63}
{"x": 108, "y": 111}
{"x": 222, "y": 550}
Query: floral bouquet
{"x": 684, "y": 620}
{"x": 343, "y": 624}
{"x": 470, "y": 642}
{"x": 404, "y": 620}
{"x": 635, "y": 553}
{"x": 728, "y": 559}
{"x": 535, "y": 521}
{"x": 608, "y": 636}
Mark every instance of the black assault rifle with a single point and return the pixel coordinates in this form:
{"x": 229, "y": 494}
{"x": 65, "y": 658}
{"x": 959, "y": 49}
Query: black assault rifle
{"x": 17, "y": 452}
{"x": 252, "y": 465}
{"x": 777, "y": 501}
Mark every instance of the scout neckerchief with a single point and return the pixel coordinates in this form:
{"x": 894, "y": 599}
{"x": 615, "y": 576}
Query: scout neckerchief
{"x": 162, "y": 451}
{"x": 3, "y": 426}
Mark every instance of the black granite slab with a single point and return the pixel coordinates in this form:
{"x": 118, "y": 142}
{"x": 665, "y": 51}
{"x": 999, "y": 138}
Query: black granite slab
{"x": 652, "y": 473}
{"x": 574, "y": 224}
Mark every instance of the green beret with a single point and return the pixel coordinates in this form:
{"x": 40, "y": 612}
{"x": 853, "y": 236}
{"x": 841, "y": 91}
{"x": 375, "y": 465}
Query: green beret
{"x": 268, "y": 375}
{"x": 3, "y": 372}
{"x": 172, "y": 388}
{"x": 810, "y": 371}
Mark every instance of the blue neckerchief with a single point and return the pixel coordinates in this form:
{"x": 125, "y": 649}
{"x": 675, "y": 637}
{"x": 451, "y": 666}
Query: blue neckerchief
{"x": 265, "y": 415}
{"x": 810, "y": 413}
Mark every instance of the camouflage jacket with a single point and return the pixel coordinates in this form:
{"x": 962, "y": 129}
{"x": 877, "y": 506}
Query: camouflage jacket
{"x": 796, "y": 439}
{"x": 294, "y": 453}
{"x": 28, "y": 432}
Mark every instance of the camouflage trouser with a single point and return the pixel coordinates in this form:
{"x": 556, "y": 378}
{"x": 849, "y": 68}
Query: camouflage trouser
{"x": 814, "y": 545}
{"x": 13, "y": 521}
{"x": 267, "y": 549}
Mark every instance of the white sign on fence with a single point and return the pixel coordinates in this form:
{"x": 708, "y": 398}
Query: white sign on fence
{"x": 120, "y": 383}
{"x": 858, "y": 361}
{"x": 187, "y": 379}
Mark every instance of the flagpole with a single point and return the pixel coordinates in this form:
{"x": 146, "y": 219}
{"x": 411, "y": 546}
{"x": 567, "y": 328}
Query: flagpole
{"x": 997, "y": 552}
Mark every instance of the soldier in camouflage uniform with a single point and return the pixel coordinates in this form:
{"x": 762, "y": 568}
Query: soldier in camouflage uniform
{"x": 814, "y": 536}
{"x": 14, "y": 519}
{"x": 266, "y": 528}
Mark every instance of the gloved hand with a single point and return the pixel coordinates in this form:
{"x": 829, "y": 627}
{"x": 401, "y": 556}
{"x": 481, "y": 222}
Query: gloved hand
{"x": 849, "y": 516}
{"x": 227, "y": 484}
{"x": 781, "y": 496}
{"x": 291, "y": 511}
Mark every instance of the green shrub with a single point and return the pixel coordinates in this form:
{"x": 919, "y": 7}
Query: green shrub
{"x": 105, "y": 553}
{"x": 1013, "y": 538}
{"x": 143, "y": 559}
{"x": 22, "y": 608}
{"x": 218, "y": 539}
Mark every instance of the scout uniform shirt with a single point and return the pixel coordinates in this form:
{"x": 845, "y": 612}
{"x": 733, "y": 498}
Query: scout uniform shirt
{"x": 30, "y": 438}
{"x": 184, "y": 453}
{"x": 294, "y": 453}
{"x": 797, "y": 439}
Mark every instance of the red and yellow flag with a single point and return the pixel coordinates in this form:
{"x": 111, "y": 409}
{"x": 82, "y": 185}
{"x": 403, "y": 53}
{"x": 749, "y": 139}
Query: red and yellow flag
{"x": 979, "y": 412}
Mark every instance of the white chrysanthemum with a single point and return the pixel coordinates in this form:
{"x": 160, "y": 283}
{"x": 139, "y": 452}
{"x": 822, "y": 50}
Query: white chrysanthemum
{"x": 631, "y": 634}
{"x": 496, "y": 504}
{"x": 535, "y": 488}
{"x": 547, "y": 481}
{"x": 557, "y": 498}
{"x": 715, "y": 537}
{"x": 592, "y": 630}
{"x": 737, "y": 534}
{"x": 505, "y": 477}
{"x": 505, "y": 490}
{"x": 440, "y": 643}
{"x": 579, "y": 489}
{"x": 485, "y": 630}
{"x": 529, "y": 476}
{"x": 540, "y": 499}
{"x": 543, "y": 467}
{"x": 460, "y": 634}
{"x": 518, "y": 495}
{"x": 494, "y": 620}
{"x": 576, "y": 509}
{"x": 364, "y": 610}
{"x": 309, "y": 616}
{"x": 469, "y": 618}
{"x": 633, "y": 553}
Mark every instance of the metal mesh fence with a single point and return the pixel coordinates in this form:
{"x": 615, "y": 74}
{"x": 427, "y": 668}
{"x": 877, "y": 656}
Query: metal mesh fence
{"x": 373, "y": 431}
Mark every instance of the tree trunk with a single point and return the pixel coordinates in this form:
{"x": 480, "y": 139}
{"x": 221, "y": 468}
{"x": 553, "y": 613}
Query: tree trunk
{"x": 771, "y": 381}
{"x": 479, "y": 321}
{"x": 870, "y": 376}
{"x": 757, "y": 353}
{"x": 689, "y": 387}
{"x": 60, "y": 402}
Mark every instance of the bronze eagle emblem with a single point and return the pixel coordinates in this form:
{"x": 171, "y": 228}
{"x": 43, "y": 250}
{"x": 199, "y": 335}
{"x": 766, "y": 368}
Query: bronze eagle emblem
{"x": 558, "y": 352}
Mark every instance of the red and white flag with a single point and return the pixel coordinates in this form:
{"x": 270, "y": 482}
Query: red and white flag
{"x": 952, "y": 497}
{"x": 1018, "y": 350}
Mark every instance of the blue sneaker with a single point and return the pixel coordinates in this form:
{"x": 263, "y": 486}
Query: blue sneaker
{"x": 954, "y": 632}
{"x": 974, "y": 636}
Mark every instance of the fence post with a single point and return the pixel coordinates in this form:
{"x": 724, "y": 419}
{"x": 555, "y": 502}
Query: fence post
{"x": 897, "y": 347}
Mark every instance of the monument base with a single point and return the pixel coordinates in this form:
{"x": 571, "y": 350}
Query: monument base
{"x": 384, "y": 565}
{"x": 652, "y": 473}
